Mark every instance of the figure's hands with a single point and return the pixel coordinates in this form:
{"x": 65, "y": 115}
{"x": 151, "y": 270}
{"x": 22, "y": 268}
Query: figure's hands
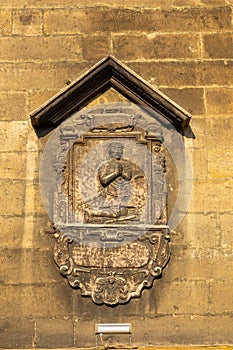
{"x": 118, "y": 169}
{"x": 127, "y": 172}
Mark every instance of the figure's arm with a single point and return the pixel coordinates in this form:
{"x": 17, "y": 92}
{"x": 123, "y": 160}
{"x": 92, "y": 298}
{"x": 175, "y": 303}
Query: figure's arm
{"x": 106, "y": 176}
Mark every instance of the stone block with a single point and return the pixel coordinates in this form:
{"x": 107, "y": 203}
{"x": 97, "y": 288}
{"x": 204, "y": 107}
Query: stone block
{"x": 35, "y": 76}
{"x": 121, "y": 20}
{"x": 221, "y": 297}
{"x": 13, "y": 136}
{"x": 203, "y": 268}
{"x": 113, "y": 3}
{"x": 55, "y": 333}
{"x": 57, "y": 48}
{"x": 37, "y": 98}
{"x": 181, "y": 330}
{"x": 212, "y": 195}
{"x": 191, "y": 99}
{"x": 37, "y": 300}
{"x": 27, "y": 22}
{"x": 167, "y": 74}
{"x": 218, "y": 45}
{"x": 226, "y": 222}
{"x": 38, "y": 232}
{"x": 8, "y": 170}
{"x": 155, "y": 46}
{"x": 196, "y": 228}
{"x": 187, "y": 73}
{"x": 199, "y": 162}
{"x": 13, "y": 106}
{"x": 26, "y": 169}
{"x": 185, "y": 298}
{"x": 220, "y": 163}
{"x": 5, "y": 22}
{"x": 95, "y": 47}
{"x": 16, "y": 332}
{"x": 213, "y": 3}
{"x": 12, "y": 197}
{"x": 215, "y": 72}
{"x": 11, "y": 231}
{"x": 219, "y": 101}
{"x": 210, "y": 133}
{"x": 28, "y": 266}
{"x": 33, "y": 200}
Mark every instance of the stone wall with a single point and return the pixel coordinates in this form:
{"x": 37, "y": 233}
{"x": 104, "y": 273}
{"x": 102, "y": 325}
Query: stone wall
{"x": 185, "y": 48}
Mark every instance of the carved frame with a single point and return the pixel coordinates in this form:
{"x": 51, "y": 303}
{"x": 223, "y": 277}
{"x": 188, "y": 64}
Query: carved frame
{"x": 109, "y": 262}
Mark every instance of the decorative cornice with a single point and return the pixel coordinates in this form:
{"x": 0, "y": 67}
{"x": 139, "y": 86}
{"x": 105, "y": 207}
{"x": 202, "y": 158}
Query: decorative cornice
{"x": 107, "y": 73}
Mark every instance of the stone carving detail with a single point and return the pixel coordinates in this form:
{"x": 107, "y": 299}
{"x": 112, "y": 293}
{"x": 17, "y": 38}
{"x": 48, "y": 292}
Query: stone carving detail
{"x": 110, "y": 204}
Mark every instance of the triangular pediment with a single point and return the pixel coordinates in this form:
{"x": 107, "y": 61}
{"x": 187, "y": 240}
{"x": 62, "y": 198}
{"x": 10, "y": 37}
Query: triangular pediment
{"x": 106, "y": 74}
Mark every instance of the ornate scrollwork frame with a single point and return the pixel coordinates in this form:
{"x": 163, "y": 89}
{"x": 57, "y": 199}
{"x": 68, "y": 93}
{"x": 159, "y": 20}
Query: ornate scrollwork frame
{"x": 110, "y": 260}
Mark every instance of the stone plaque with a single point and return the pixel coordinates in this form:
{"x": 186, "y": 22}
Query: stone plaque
{"x": 110, "y": 203}
{"x": 102, "y": 180}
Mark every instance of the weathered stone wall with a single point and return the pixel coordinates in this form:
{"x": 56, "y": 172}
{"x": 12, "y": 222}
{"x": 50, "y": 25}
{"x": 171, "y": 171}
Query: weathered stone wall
{"x": 185, "y": 48}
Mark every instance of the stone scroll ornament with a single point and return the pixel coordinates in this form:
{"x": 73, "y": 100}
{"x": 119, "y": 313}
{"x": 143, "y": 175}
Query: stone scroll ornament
{"x": 109, "y": 203}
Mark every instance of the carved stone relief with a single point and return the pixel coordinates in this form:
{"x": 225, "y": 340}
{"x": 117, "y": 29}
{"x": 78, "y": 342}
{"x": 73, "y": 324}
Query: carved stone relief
{"x": 110, "y": 203}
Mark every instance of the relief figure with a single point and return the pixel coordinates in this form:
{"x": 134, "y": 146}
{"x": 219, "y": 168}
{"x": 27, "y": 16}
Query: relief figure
{"x": 117, "y": 179}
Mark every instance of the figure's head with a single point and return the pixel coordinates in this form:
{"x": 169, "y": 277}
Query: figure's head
{"x": 115, "y": 150}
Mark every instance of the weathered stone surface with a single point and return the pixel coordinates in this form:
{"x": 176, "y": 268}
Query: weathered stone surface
{"x": 95, "y": 47}
{"x": 113, "y": 3}
{"x": 185, "y": 73}
{"x": 8, "y": 170}
{"x": 211, "y": 133}
{"x": 156, "y": 46}
{"x": 58, "y": 48}
{"x": 226, "y": 221}
{"x": 33, "y": 202}
{"x": 13, "y": 136}
{"x": 167, "y": 74}
{"x": 55, "y": 332}
{"x": 191, "y": 99}
{"x": 219, "y": 101}
{"x": 37, "y": 98}
{"x": 37, "y": 232}
{"x": 212, "y": 195}
{"x": 218, "y": 45}
{"x": 170, "y": 329}
{"x": 5, "y": 22}
{"x": 27, "y": 22}
{"x": 11, "y": 231}
{"x": 11, "y": 194}
{"x": 195, "y": 228}
{"x": 24, "y": 76}
{"x": 199, "y": 162}
{"x": 34, "y": 267}
{"x": 13, "y": 106}
{"x": 16, "y": 332}
{"x": 202, "y": 268}
{"x": 220, "y": 163}
{"x": 44, "y": 300}
{"x": 186, "y": 297}
{"x": 221, "y": 297}
{"x": 117, "y": 20}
